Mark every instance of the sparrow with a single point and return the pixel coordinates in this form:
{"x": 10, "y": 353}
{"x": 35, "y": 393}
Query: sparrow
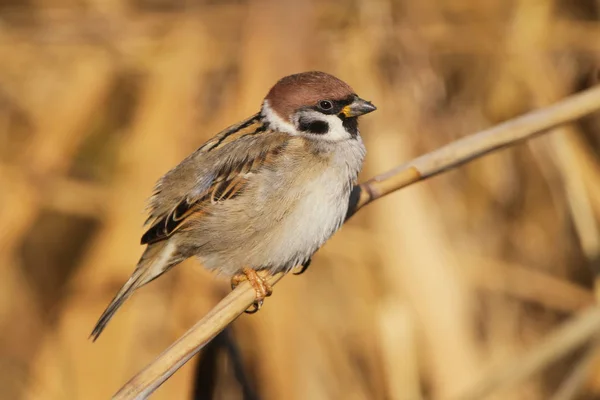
{"x": 261, "y": 196}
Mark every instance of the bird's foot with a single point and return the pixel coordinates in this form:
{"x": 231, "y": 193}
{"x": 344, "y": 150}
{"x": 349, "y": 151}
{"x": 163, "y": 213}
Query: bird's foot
{"x": 259, "y": 283}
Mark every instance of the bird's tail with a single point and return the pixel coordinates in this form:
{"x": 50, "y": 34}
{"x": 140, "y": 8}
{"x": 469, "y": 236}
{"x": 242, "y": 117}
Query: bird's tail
{"x": 155, "y": 261}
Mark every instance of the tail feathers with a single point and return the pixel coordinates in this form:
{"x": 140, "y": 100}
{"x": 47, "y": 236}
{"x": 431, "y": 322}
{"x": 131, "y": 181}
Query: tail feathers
{"x": 126, "y": 291}
{"x": 155, "y": 261}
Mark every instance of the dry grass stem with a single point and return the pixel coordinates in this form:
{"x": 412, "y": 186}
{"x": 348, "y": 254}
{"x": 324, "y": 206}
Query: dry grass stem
{"x": 573, "y": 385}
{"x": 447, "y": 157}
{"x": 481, "y": 143}
{"x": 191, "y": 342}
{"x": 559, "y": 343}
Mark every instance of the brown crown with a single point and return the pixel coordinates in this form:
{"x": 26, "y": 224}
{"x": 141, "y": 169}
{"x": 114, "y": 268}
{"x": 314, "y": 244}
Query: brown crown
{"x": 305, "y": 89}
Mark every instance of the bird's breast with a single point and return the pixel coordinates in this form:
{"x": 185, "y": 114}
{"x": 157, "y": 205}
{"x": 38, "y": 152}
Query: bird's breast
{"x": 314, "y": 206}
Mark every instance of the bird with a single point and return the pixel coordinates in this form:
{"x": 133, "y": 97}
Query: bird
{"x": 263, "y": 195}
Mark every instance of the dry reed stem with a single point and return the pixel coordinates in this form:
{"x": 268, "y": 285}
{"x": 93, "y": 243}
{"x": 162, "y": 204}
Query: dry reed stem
{"x": 556, "y": 345}
{"x": 527, "y": 284}
{"x": 422, "y": 282}
{"x": 574, "y": 384}
{"x": 428, "y": 165}
{"x": 228, "y": 309}
{"x": 512, "y": 279}
{"x": 479, "y": 144}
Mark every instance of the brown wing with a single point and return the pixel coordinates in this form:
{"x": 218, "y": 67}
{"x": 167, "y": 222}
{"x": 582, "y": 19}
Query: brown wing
{"x": 236, "y": 163}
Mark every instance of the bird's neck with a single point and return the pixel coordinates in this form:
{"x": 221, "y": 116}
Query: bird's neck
{"x": 275, "y": 121}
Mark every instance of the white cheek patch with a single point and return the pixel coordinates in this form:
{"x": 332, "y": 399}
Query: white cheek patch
{"x": 277, "y": 123}
{"x": 336, "y": 131}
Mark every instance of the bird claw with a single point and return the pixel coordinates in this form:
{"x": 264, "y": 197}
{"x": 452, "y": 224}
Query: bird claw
{"x": 260, "y": 285}
{"x": 254, "y": 307}
{"x": 304, "y": 267}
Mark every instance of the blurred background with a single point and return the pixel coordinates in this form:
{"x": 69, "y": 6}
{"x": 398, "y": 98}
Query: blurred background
{"x": 410, "y": 300}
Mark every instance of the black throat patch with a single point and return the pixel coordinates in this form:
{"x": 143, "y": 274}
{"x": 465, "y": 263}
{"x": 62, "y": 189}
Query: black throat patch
{"x": 351, "y": 125}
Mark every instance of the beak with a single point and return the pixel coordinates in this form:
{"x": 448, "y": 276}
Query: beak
{"x": 358, "y": 107}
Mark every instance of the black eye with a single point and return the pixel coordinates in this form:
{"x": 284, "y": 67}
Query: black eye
{"x": 325, "y": 105}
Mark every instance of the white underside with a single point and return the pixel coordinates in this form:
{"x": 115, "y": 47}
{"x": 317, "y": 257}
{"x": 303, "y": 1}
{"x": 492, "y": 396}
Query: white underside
{"x": 319, "y": 212}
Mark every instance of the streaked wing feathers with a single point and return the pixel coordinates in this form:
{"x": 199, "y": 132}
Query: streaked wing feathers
{"x": 231, "y": 170}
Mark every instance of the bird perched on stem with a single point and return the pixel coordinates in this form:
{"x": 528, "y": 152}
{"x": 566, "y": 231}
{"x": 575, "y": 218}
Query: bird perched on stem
{"x": 261, "y": 196}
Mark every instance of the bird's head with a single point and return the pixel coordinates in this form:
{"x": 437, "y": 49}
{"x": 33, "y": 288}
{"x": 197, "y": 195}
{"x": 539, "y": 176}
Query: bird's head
{"x": 316, "y": 105}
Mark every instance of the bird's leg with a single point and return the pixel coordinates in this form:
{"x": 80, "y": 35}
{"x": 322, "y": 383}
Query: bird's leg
{"x": 259, "y": 283}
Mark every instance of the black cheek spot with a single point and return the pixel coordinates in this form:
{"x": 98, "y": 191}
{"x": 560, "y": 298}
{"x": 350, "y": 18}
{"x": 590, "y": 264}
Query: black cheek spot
{"x": 317, "y": 127}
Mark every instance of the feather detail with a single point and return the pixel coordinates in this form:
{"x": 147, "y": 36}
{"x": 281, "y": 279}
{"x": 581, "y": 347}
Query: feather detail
{"x": 229, "y": 181}
{"x": 156, "y": 260}
{"x": 250, "y": 126}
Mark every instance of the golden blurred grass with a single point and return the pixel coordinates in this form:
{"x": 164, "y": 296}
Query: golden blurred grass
{"x": 412, "y": 298}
